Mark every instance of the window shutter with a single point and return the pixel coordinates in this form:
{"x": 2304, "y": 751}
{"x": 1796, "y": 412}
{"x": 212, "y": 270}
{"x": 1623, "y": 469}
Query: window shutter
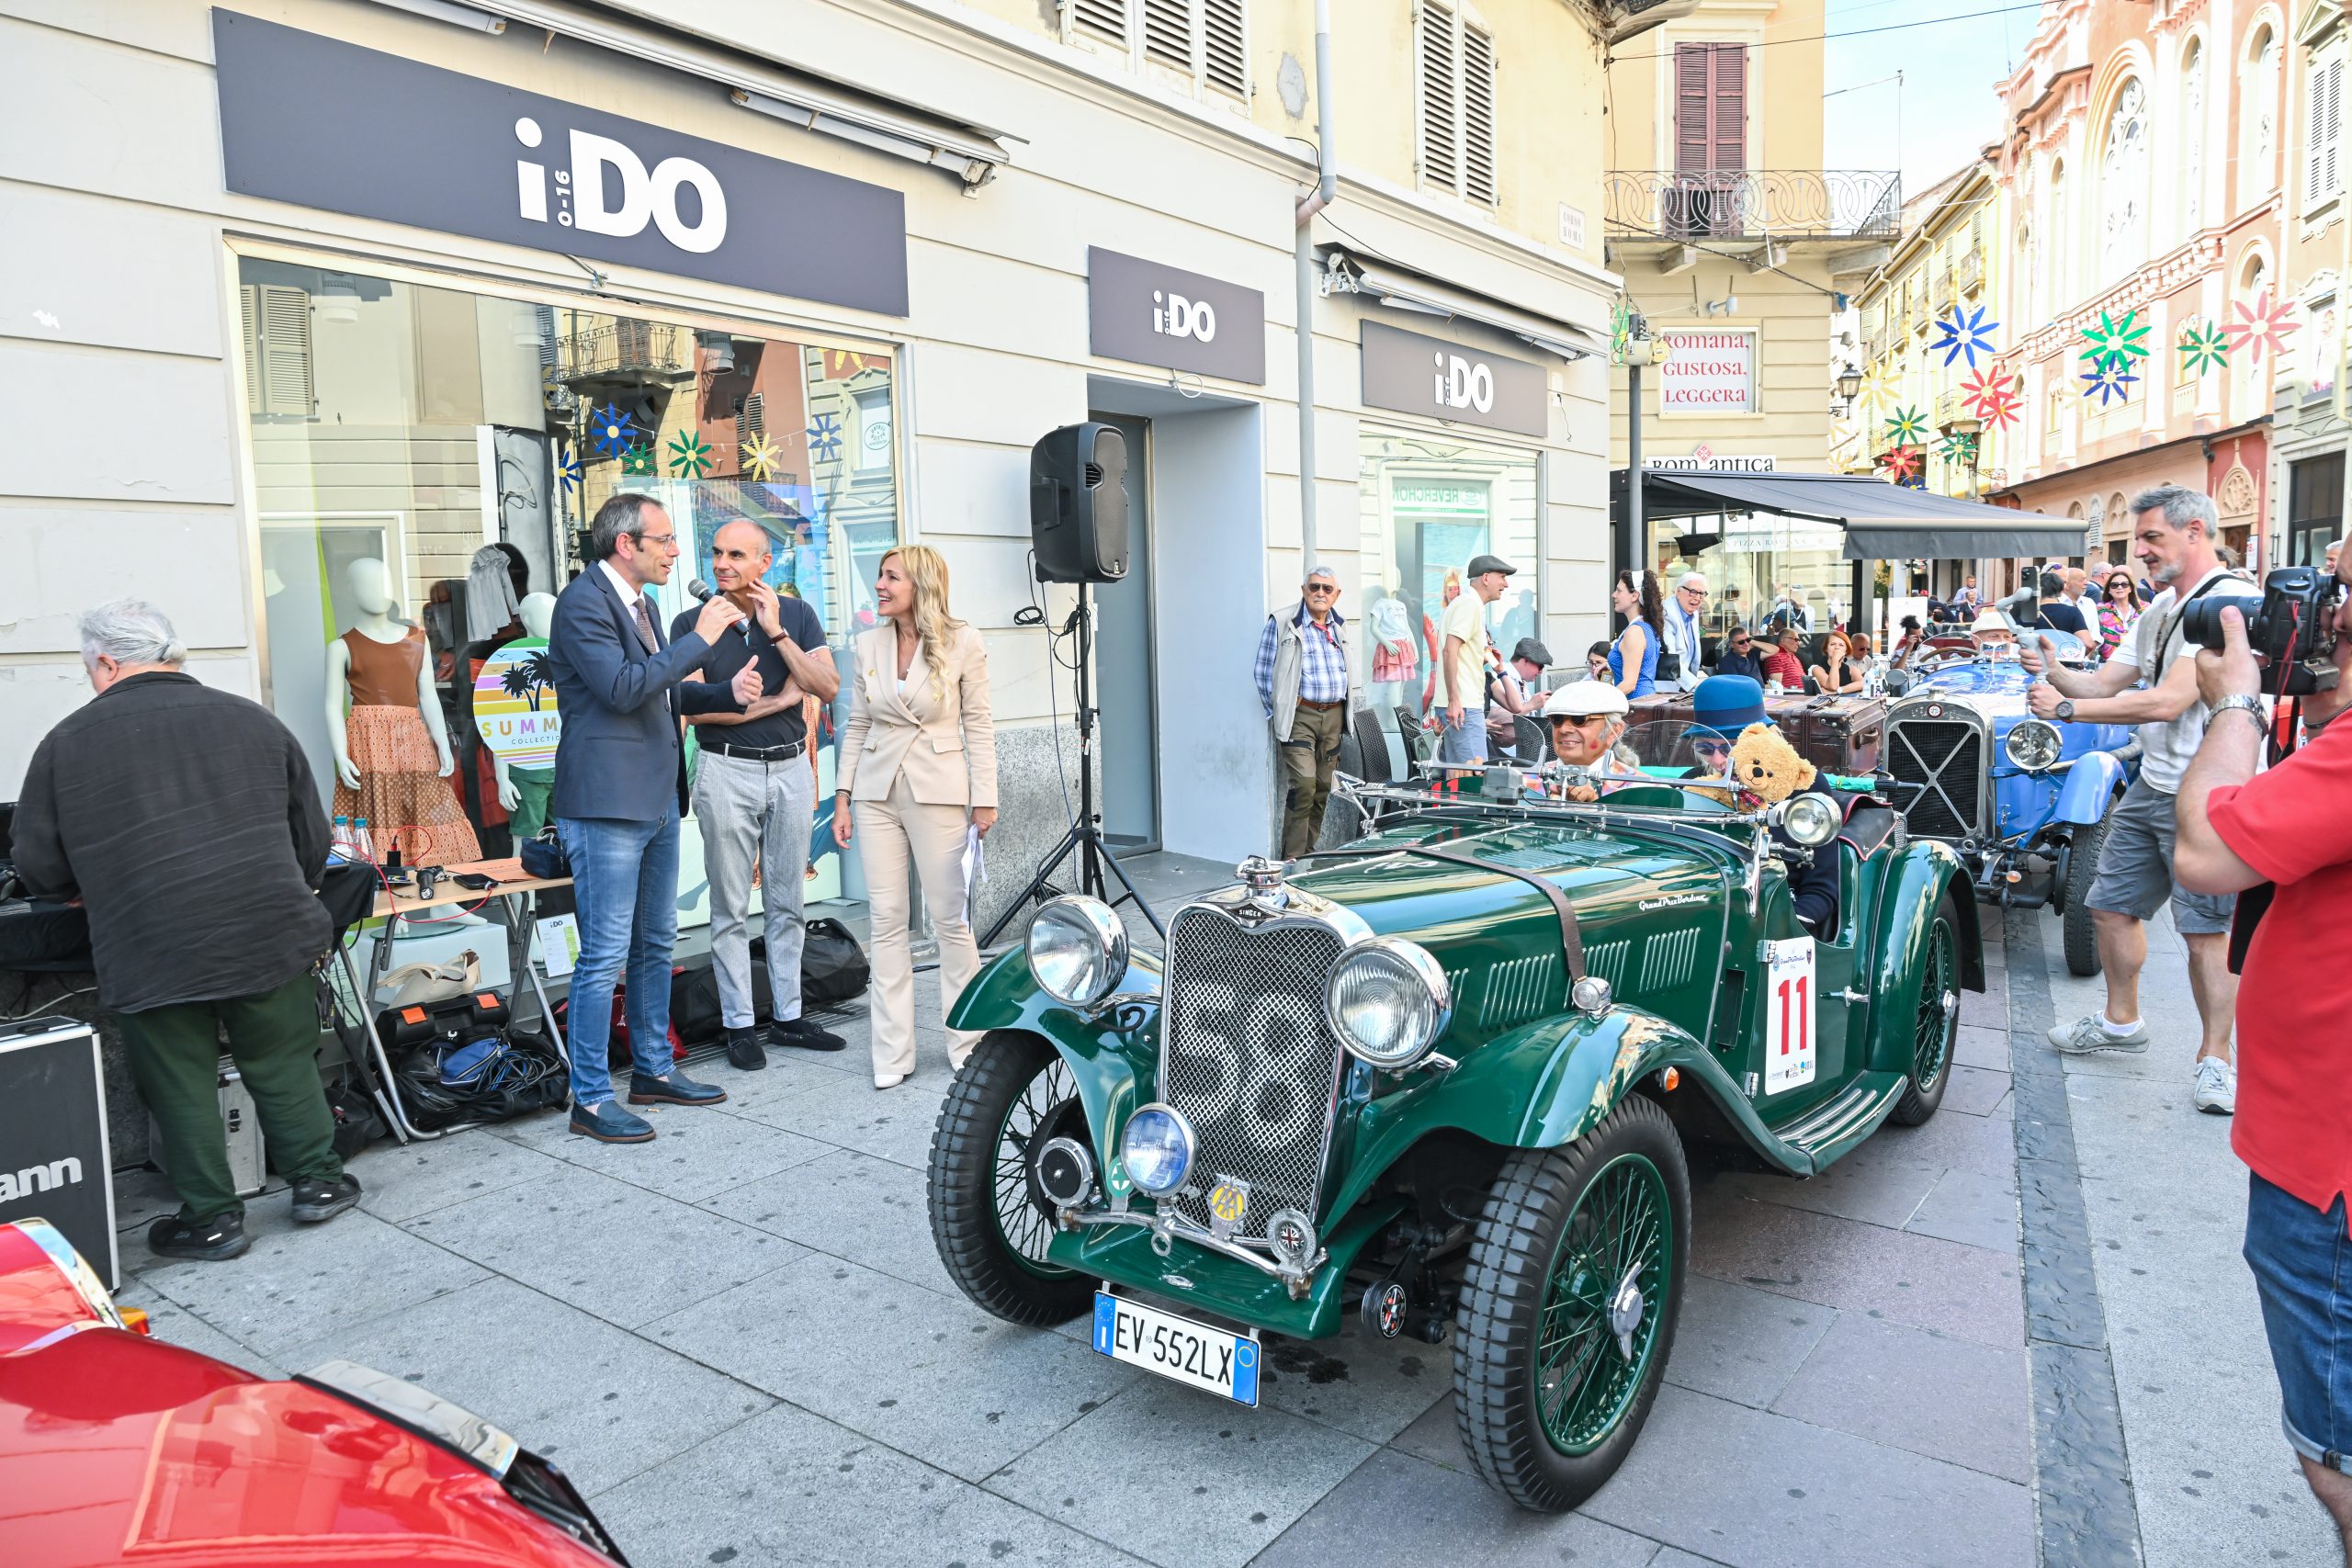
{"x": 1440, "y": 165}
{"x": 1105, "y": 20}
{"x": 1225, "y": 40}
{"x": 1167, "y": 33}
{"x": 249, "y": 306}
{"x": 1730, "y": 107}
{"x": 1692, "y": 141}
{"x": 278, "y": 350}
{"x": 2322, "y": 166}
{"x": 1477, "y": 115}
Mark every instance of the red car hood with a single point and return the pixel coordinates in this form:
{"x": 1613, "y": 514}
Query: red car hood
{"x": 115, "y": 1449}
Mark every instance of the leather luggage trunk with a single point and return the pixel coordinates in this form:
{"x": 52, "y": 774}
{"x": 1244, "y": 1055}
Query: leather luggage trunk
{"x": 1838, "y": 735}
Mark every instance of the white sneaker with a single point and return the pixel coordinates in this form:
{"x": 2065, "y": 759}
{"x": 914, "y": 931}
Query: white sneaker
{"x": 2086, "y": 1035}
{"x": 2217, "y": 1086}
{"x": 890, "y": 1080}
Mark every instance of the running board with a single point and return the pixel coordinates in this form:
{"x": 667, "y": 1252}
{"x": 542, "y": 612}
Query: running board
{"x": 1831, "y": 1129}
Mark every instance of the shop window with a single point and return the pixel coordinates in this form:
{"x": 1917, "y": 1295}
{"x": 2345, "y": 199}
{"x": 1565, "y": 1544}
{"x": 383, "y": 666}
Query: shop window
{"x": 1457, "y": 103}
{"x": 1429, "y": 504}
{"x": 422, "y": 426}
{"x": 1756, "y": 564}
{"x": 2314, "y": 508}
{"x": 1205, "y": 41}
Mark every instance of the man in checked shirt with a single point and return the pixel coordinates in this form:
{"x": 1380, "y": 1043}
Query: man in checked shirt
{"x": 1304, "y": 685}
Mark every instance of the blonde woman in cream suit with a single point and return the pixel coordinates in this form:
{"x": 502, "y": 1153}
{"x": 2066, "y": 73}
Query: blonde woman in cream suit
{"x": 918, "y": 767}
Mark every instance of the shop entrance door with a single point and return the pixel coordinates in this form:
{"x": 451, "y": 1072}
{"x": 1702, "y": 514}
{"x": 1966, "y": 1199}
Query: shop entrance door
{"x": 1122, "y": 665}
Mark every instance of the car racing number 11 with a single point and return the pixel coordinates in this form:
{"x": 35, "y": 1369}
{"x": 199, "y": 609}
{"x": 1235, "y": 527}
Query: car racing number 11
{"x": 1788, "y": 1014}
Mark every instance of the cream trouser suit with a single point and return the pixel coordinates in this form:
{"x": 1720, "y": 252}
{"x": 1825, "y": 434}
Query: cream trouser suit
{"x": 915, "y": 759}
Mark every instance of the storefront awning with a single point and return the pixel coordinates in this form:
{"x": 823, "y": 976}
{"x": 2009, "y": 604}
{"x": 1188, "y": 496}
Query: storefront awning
{"x": 1882, "y": 522}
{"x": 1402, "y": 290}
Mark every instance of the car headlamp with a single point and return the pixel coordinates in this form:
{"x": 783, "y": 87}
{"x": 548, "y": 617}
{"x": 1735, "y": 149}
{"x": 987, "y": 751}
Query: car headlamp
{"x": 1811, "y": 820}
{"x": 1157, "y": 1149}
{"x": 1389, "y": 1001}
{"x": 1078, "y": 950}
{"x": 2033, "y": 745}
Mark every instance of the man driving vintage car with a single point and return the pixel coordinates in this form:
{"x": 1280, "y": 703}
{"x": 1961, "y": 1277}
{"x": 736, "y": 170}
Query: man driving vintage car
{"x": 1991, "y": 629}
{"x": 1586, "y": 718}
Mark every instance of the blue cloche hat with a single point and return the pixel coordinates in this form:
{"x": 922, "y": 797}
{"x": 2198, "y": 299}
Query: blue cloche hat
{"x": 1727, "y": 703}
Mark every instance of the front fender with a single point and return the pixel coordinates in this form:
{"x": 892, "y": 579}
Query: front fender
{"x": 2089, "y": 785}
{"x": 1917, "y": 878}
{"x": 1115, "y": 1068}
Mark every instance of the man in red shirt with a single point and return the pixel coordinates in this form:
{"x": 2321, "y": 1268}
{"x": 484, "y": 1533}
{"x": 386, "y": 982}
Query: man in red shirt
{"x": 2290, "y": 827}
{"x": 1781, "y": 662}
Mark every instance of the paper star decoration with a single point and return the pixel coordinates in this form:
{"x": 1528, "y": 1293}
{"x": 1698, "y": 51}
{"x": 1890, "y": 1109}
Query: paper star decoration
{"x": 567, "y": 467}
{"x": 2109, "y": 380}
{"x": 2261, "y": 325}
{"x": 1907, "y": 427}
{"x": 690, "y": 456}
{"x": 2202, "y": 348}
{"x": 1900, "y": 462}
{"x": 760, "y": 456}
{"x": 614, "y": 431}
{"x": 2116, "y": 342}
{"x": 1991, "y": 396}
{"x": 637, "y": 459}
{"x": 1969, "y": 333}
{"x": 825, "y": 437}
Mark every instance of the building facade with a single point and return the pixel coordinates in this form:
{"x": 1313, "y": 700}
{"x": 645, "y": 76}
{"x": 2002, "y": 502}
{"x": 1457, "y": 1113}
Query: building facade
{"x": 1737, "y": 248}
{"x": 2143, "y": 158}
{"x": 2311, "y": 410}
{"x": 398, "y": 282}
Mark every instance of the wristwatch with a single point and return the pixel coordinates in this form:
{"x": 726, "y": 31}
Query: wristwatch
{"x": 2240, "y": 701}
{"x": 2065, "y": 710}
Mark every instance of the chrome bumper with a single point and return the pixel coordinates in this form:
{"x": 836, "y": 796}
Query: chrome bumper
{"x": 1169, "y": 1226}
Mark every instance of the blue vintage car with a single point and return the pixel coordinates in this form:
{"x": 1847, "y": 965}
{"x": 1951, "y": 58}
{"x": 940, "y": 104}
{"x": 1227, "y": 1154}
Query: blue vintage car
{"x": 2023, "y": 800}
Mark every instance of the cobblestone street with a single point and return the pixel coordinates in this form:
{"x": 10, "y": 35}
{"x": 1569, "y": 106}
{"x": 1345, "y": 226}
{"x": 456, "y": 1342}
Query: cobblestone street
{"x": 741, "y": 1344}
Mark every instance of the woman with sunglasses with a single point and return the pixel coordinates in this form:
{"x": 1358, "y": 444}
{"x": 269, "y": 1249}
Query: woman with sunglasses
{"x": 1632, "y": 663}
{"x": 2119, "y": 611}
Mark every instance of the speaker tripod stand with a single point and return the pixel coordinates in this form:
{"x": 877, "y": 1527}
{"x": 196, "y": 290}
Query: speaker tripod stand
{"x": 1084, "y": 840}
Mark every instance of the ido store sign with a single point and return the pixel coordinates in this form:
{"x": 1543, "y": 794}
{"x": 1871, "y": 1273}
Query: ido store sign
{"x": 514, "y": 705}
{"x": 1708, "y": 372}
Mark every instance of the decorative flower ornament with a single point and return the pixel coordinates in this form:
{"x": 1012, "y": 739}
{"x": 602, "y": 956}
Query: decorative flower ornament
{"x": 690, "y": 456}
{"x": 1877, "y": 391}
{"x": 1993, "y": 396}
{"x": 2110, "y": 381}
{"x": 1964, "y": 333}
{"x": 613, "y": 431}
{"x": 2116, "y": 342}
{"x": 1900, "y": 463}
{"x": 760, "y": 456}
{"x": 2202, "y": 347}
{"x": 1907, "y": 427}
{"x": 567, "y": 466}
{"x": 825, "y": 437}
{"x": 2264, "y": 324}
{"x": 637, "y": 459}
{"x": 1960, "y": 446}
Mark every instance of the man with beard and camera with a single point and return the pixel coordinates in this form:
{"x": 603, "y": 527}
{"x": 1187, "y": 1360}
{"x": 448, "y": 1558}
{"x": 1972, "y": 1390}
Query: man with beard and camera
{"x": 2150, "y": 682}
{"x": 2289, "y": 828}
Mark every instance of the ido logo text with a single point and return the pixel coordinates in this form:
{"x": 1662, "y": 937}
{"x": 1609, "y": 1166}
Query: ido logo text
{"x": 606, "y": 188}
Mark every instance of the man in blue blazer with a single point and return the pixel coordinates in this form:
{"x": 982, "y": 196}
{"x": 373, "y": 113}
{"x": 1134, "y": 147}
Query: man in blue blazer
{"x": 620, "y": 790}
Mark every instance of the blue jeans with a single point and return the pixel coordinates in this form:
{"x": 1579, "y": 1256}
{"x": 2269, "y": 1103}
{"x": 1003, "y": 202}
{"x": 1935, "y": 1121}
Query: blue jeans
{"x": 2302, "y": 1269}
{"x": 624, "y": 881}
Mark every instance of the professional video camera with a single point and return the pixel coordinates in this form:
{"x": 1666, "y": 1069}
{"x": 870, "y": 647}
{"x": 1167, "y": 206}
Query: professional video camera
{"x": 2292, "y": 632}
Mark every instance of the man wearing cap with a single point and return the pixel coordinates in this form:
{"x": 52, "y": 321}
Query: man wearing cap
{"x": 1721, "y": 706}
{"x": 1991, "y": 629}
{"x": 1514, "y": 690}
{"x": 1586, "y": 718}
{"x": 1461, "y": 661}
{"x": 1303, "y": 685}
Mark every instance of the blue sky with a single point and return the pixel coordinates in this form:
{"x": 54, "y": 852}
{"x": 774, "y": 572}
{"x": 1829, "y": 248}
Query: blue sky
{"x": 1945, "y": 105}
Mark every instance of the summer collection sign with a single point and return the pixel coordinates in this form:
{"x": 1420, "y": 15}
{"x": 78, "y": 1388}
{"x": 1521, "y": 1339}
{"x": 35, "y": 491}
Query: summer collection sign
{"x": 514, "y": 705}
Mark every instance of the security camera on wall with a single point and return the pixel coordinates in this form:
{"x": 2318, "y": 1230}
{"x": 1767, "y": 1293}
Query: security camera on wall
{"x": 1078, "y": 504}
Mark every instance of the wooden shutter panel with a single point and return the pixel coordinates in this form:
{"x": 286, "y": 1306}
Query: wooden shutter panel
{"x": 1439, "y": 162}
{"x": 1168, "y": 32}
{"x": 1729, "y": 113}
{"x": 1694, "y": 105}
{"x": 1225, "y": 46}
{"x": 249, "y": 307}
{"x": 1477, "y": 115}
{"x": 278, "y": 350}
{"x": 2323, "y": 166}
{"x": 1105, "y": 20}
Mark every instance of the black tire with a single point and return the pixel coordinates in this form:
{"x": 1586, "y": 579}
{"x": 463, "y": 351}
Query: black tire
{"x": 2082, "y": 934}
{"x": 1004, "y": 1101}
{"x": 1931, "y": 1052}
{"x": 1508, "y": 1298}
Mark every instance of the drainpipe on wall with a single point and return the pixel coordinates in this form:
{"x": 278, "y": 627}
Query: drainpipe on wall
{"x": 1303, "y": 261}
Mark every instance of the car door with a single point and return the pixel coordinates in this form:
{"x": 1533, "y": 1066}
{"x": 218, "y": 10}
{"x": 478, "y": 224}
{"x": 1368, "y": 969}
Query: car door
{"x": 1803, "y": 1041}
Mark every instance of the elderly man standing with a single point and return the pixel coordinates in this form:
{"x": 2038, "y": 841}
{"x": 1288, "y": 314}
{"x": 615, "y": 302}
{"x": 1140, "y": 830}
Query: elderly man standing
{"x": 620, "y": 776}
{"x": 754, "y": 792}
{"x": 1685, "y": 623}
{"x": 1463, "y": 645}
{"x": 1304, "y": 685}
{"x": 147, "y": 803}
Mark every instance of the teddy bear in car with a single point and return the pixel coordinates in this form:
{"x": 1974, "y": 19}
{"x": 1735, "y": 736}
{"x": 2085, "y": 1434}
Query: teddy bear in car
{"x": 1765, "y": 768}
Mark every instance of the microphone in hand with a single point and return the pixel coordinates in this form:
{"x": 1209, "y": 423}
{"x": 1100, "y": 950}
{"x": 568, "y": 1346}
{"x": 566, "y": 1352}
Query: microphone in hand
{"x": 718, "y": 612}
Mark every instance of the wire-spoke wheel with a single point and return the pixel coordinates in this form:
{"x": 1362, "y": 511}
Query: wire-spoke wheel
{"x": 1935, "y": 1019}
{"x": 990, "y": 1221}
{"x": 1569, "y": 1307}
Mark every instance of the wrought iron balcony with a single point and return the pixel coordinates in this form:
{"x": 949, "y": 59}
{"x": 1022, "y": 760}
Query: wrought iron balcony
{"x": 626, "y": 348}
{"x": 1754, "y": 204}
{"x": 1972, "y": 270}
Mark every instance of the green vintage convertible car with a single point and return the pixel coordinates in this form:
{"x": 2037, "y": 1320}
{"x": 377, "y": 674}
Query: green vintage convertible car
{"x": 1444, "y": 1079}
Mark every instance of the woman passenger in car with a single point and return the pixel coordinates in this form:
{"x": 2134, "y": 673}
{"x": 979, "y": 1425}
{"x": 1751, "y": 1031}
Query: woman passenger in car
{"x": 1722, "y": 707}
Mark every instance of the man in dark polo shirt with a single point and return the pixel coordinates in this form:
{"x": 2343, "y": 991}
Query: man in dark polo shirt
{"x": 754, "y": 792}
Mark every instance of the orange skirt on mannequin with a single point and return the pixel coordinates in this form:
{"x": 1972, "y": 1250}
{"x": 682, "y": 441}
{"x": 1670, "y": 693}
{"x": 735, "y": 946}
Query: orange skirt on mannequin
{"x": 406, "y": 801}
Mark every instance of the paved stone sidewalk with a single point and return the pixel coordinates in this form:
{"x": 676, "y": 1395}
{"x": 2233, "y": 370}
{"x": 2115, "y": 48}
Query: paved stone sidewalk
{"x": 740, "y": 1342}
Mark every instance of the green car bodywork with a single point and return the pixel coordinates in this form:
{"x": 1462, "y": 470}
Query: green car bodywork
{"x": 1670, "y": 907}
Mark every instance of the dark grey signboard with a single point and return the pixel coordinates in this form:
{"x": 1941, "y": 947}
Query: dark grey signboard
{"x": 1153, "y": 314}
{"x": 326, "y": 124}
{"x": 1430, "y": 376}
{"x": 53, "y": 1162}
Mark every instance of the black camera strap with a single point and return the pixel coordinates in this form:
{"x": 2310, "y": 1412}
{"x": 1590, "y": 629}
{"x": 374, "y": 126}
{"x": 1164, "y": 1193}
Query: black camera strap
{"x": 2180, "y": 612}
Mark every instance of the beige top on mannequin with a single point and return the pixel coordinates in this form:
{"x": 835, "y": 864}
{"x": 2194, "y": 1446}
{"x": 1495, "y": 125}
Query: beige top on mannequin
{"x": 371, "y": 583}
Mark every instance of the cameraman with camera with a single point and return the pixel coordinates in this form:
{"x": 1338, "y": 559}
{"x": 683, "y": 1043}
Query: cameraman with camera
{"x": 2174, "y": 535}
{"x": 2290, "y": 828}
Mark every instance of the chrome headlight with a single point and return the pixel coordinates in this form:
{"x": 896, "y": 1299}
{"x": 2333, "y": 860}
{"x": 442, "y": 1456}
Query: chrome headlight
{"x": 1157, "y": 1149}
{"x": 1078, "y": 950}
{"x": 2033, "y": 745}
{"x": 1810, "y": 820}
{"x": 1389, "y": 1001}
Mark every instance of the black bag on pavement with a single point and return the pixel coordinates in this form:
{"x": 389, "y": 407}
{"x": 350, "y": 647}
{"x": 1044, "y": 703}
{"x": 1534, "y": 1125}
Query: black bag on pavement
{"x": 833, "y": 969}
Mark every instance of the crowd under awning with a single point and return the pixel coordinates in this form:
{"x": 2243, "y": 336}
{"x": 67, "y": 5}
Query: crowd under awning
{"x": 1882, "y": 522}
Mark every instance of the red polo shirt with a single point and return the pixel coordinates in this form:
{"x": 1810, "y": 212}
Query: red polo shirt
{"x": 1781, "y": 662}
{"x": 2293, "y": 824}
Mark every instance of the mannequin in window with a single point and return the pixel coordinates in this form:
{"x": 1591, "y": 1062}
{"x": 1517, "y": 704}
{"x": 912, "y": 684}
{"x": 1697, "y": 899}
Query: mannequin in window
{"x": 524, "y": 789}
{"x": 391, "y": 750}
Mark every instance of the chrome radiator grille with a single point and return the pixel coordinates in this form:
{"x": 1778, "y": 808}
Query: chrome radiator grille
{"x": 1247, "y": 1057}
{"x": 1938, "y": 767}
